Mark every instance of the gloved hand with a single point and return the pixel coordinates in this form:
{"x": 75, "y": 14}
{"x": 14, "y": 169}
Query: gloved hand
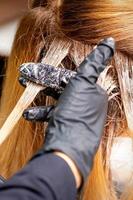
{"x": 76, "y": 125}
{"x": 47, "y": 76}
{"x": 54, "y": 79}
{"x": 39, "y": 114}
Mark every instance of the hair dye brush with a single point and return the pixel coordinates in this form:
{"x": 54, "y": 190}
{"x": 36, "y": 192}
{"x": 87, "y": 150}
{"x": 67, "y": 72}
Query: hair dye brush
{"x": 54, "y": 79}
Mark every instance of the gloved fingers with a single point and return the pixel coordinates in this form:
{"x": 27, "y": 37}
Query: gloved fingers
{"x": 23, "y": 81}
{"x": 96, "y": 61}
{"x": 52, "y": 93}
{"x": 47, "y": 91}
{"x": 46, "y": 75}
{"x": 57, "y": 78}
{"x": 40, "y": 114}
{"x": 109, "y": 42}
{"x": 39, "y": 73}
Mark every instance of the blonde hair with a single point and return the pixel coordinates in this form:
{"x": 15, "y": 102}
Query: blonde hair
{"x": 81, "y": 24}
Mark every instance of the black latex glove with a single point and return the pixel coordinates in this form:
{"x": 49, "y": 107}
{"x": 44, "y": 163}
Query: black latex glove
{"x": 54, "y": 79}
{"x": 39, "y": 114}
{"x": 77, "y": 122}
{"x": 47, "y": 76}
{"x": 47, "y": 91}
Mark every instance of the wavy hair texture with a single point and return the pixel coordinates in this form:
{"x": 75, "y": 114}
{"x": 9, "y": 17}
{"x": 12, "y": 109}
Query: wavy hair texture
{"x": 83, "y": 24}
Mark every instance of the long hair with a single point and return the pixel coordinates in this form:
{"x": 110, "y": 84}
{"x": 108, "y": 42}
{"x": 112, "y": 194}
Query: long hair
{"x": 83, "y": 24}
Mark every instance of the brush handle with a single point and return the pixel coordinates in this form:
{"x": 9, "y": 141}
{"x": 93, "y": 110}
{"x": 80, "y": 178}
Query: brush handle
{"x": 56, "y": 53}
{"x": 25, "y": 100}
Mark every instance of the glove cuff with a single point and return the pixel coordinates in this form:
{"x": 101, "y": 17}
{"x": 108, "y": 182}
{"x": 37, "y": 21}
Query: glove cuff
{"x": 77, "y": 158}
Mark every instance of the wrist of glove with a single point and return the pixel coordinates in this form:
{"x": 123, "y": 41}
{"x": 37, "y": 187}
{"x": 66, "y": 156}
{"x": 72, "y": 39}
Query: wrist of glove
{"x": 76, "y": 123}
